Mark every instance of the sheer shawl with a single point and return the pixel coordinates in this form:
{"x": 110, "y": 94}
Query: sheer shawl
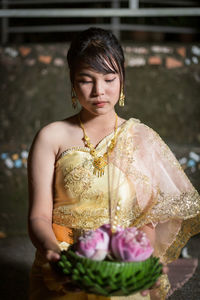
{"x": 165, "y": 197}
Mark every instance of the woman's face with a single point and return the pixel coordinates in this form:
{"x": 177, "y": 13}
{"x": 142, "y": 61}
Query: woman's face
{"x": 97, "y": 93}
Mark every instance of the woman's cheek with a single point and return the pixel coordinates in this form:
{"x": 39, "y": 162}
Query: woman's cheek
{"x": 85, "y": 91}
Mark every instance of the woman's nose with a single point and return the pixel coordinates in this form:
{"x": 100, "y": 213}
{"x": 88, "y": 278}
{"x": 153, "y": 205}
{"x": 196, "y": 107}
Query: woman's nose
{"x": 98, "y": 89}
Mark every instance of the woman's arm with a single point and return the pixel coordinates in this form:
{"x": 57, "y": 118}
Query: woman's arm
{"x": 150, "y": 233}
{"x": 40, "y": 178}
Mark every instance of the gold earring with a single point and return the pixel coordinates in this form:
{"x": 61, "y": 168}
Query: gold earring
{"x": 74, "y": 99}
{"x": 121, "y": 97}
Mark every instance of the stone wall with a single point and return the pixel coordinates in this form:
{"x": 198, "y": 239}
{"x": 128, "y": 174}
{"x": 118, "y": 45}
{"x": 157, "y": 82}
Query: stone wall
{"x": 162, "y": 90}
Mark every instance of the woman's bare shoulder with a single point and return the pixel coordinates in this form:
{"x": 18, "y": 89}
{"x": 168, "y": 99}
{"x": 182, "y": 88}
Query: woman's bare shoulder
{"x": 58, "y": 136}
{"x": 58, "y": 128}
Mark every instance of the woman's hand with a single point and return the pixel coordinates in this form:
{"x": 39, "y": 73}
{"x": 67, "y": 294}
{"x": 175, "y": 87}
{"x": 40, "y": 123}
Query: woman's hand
{"x": 52, "y": 255}
{"x": 157, "y": 284}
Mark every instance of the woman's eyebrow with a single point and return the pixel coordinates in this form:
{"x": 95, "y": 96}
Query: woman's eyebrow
{"x": 89, "y": 75}
{"x": 84, "y": 74}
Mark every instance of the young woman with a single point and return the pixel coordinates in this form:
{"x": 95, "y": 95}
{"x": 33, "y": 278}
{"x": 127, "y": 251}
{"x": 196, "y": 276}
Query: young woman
{"x": 71, "y": 160}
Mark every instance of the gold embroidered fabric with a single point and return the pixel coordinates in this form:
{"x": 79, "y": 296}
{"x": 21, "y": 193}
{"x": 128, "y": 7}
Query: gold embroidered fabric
{"x": 81, "y": 198}
{"x": 144, "y": 175}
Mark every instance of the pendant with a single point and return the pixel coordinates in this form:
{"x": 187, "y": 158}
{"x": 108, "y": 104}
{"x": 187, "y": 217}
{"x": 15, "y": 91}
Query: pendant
{"x": 99, "y": 166}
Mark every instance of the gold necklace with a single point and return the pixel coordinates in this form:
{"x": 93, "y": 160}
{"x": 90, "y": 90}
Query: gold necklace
{"x": 100, "y": 162}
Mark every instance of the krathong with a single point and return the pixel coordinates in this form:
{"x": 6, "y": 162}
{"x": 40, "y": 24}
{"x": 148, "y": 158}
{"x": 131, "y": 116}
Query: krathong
{"x": 111, "y": 263}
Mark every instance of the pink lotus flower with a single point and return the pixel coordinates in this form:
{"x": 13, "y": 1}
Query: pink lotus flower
{"x": 94, "y": 244}
{"x": 130, "y": 244}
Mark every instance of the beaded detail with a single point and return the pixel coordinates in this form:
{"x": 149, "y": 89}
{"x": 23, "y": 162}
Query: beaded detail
{"x": 100, "y": 162}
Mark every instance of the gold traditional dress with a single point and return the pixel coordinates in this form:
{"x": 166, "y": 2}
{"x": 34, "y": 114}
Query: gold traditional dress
{"x": 151, "y": 186}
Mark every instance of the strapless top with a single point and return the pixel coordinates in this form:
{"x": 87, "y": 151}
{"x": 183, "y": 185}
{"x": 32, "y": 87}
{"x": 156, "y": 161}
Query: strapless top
{"x": 81, "y": 199}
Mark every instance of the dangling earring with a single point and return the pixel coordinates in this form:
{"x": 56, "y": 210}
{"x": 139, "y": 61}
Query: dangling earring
{"x": 121, "y": 97}
{"x": 74, "y": 99}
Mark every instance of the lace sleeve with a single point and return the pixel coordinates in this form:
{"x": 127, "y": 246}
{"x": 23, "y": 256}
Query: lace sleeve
{"x": 177, "y": 209}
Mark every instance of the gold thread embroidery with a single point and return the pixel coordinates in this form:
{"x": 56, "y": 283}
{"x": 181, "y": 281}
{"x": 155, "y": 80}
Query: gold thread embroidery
{"x": 183, "y": 206}
{"x": 189, "y": 228}
{"x": 78, "y": 181}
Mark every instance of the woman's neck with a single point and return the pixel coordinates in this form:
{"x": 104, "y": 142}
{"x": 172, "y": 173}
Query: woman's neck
{"x": 98, "y": 122}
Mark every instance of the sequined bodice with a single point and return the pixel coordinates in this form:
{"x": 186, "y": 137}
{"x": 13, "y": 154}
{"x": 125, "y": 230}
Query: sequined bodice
{"x": 81, "y": 199}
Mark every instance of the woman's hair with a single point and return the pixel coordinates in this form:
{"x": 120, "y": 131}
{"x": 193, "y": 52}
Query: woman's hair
{"x": 98, "y": 49}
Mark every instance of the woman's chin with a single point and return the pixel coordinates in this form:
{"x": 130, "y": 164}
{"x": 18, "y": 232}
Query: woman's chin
{"x": 99, "y": 110}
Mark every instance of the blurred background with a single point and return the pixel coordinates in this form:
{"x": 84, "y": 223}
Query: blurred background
{"x": 161, "y": 42}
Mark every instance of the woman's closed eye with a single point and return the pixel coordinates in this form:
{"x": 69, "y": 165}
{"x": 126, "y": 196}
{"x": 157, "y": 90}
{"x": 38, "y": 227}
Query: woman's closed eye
{"x": 85, "y": 81}
{"x": 91, "y": 81}
{"x": 110, "y": 80}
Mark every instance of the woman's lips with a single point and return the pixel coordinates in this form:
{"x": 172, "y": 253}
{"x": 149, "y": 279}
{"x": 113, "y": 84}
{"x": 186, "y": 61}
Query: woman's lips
{"x": 100, "y": 103}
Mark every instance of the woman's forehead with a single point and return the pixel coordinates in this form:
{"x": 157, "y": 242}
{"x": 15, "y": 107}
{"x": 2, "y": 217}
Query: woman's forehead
{"x": 83, "y": 69}
{"x": 91, "y": 72}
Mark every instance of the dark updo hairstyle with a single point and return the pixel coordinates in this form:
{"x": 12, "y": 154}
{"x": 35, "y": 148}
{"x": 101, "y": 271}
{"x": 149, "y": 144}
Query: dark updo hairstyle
{"x": 99, "y": 50}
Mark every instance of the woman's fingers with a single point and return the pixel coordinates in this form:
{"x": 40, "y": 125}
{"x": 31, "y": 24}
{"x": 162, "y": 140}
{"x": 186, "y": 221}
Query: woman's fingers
{"x": 52, "y": 255}
{"x": 144, "y": 293}
{"x": 165, "y": 269}
{"x": 157, "y": 284}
